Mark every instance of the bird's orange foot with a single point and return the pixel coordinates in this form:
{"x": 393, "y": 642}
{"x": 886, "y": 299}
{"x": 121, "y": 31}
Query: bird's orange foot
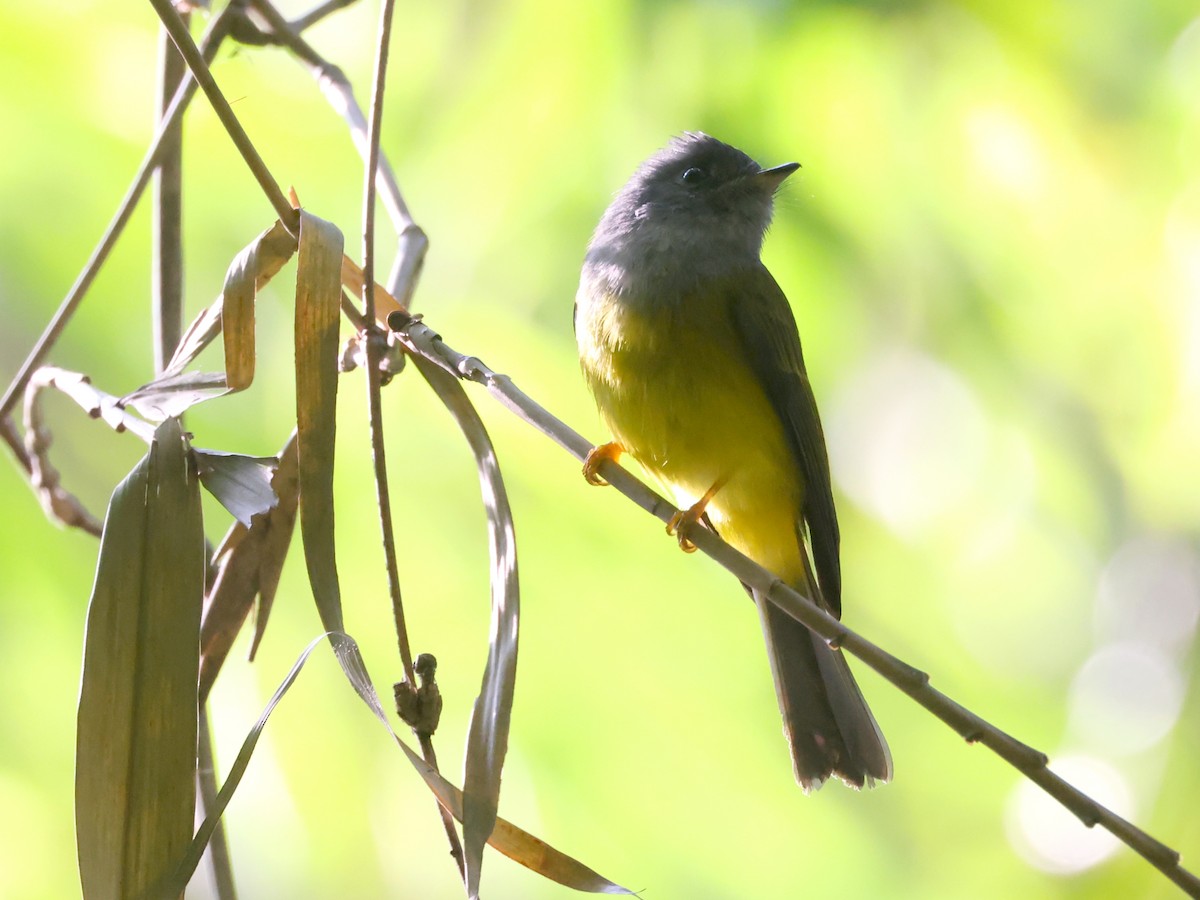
{"x": 596, "y": 456}
{"x": 683, "y": 520}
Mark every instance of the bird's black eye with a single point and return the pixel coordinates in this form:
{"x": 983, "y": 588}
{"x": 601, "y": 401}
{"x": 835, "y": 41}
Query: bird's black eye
{"x": 693, "y": 176}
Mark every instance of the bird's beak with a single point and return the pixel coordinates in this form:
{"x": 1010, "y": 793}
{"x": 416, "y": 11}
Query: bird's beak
{"x": 771, "y": 179}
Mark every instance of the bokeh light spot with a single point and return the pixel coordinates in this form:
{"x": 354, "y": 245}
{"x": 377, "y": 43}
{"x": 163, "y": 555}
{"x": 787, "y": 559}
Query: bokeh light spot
{"x": 1007, "y": 151}
{"x": 906, "y": 439}
{"x": 1052, "y": 839}
{"x": 1125, "y": 698}
{"x": 1150, "y": 592}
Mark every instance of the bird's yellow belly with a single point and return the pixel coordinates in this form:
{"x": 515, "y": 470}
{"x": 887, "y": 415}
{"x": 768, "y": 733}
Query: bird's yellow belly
{"x": 675, "y": 389}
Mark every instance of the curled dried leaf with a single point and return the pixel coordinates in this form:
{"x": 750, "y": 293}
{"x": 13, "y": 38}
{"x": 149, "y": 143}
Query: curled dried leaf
{"x": 231, "y": 314}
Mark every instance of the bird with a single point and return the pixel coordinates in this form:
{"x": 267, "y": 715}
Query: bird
{"x": 691, "y": 351}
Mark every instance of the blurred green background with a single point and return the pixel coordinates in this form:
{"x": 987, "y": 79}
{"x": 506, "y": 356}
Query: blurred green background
{"x": 993, "y": 252}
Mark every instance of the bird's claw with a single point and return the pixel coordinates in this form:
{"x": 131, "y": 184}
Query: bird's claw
{"x": 596, "y": 457}
{"x": 681, "y": 522}
{"x": 684, "y": 520}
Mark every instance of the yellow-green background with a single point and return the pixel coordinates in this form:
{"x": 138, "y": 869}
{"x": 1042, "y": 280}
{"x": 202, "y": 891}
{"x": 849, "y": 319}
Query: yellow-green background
{"x": 993, "y": 251}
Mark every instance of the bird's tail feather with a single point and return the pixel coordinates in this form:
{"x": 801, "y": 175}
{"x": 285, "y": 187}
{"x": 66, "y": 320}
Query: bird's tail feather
{"x": 826, "y": 719}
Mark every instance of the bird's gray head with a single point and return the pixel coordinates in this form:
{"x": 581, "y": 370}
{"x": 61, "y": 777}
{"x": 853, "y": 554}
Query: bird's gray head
{"x": 697, "y": 209}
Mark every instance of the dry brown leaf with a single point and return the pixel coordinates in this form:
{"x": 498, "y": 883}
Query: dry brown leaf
{"x": 515, "y": 843}
{"x": 510, "y": 840}
{"x": 233, "y": 314}
{"x": 242, "y": 484}
{"x": 318, "y": 300}
{"x": 249, "y": 271}
{"x": 353, "y": 279}
{"x": 248, "y": 564}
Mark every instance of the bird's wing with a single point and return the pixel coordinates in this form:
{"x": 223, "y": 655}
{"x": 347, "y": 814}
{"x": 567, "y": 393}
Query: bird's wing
{"x": 763, "y": 321}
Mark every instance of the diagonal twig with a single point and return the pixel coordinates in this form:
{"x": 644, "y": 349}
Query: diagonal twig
{"x": 412, "y": 242}
{"x": 200, "y": 71}
{"x": 1033, "y": 764}
{"x": 318, "y": 13}
{"x": 209, "y": 44}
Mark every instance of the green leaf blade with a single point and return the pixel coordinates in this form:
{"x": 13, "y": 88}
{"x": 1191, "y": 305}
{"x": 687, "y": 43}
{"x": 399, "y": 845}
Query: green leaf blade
{"x": 137, "y": 720}
{"x": 491, "y": 716}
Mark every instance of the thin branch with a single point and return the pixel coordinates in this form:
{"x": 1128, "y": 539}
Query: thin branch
{"x": 57, "y": 502}
{"x": 166, "y": 313}
{"x": 200, "y": 71}
{"x": 456, "y": 850}
{"x": 217, "y": 31}
{"x": 217, "y": 852}
{"x": 283, "y": 33}
{"x": 373, "y": 130}
{"x": 350, "y": 311}
{"x": 412, "y": 243}
{"x": 166, "y": 302}
{"x": 375, "y": 344}
{"x": 418, "y": 338}
{"x": 12, "y": 437}
{"x": 318, "y": 13}
{"x": 411, "y": 253}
